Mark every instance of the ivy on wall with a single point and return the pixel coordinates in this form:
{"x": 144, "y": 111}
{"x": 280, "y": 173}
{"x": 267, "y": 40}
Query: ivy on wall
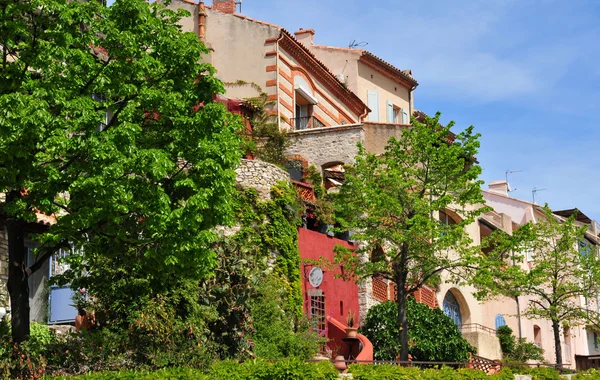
{"x": 271, "y": 227}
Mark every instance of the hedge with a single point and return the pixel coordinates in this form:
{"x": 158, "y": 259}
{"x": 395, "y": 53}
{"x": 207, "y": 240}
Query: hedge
{"x": 231, "y": 370}
{"x": 297, "y": 369}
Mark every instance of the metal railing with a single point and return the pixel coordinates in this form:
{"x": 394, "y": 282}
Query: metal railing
{"x": 308, "y": 122}
{"x": 476, "y": 327}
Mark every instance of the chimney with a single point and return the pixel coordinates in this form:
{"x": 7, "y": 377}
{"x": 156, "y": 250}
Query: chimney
{"x": 305, "y": 37}
{"x": 499, "y": 187}
{"x": 225, "y": 6}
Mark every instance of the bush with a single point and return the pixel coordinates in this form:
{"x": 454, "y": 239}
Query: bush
{"x": 392, "y": 372}
{"x": 517, "y": 352}
{"x": 277, "y": 333}
{"x": 231, "y": 370}
{"x": 433, "y": 336}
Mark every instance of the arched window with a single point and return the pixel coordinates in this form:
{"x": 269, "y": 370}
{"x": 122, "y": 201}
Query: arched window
{"x": 452, "y": 308}
{"x": 446, "y": 219}
{"x": 500, "y": 321}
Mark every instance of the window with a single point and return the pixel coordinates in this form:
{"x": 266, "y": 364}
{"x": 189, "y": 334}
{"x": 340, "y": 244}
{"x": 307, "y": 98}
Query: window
{"x": 446, "y": 219}
{"x": 537, "y": 335}
{"x": 395, "y": 114}
{"x": 500, "y": 321}
{"x": 452, "y": 308}
{"x": 294, "y": 169}
{"x": 584, "y": 247}
{"x": 317, "y": 311}
{"x": 529, "y": 255}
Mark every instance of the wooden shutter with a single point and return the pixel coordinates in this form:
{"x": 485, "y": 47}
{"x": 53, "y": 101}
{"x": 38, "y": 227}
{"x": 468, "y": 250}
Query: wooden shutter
{"x": 404, "y": 116}
{"x": 373, "y": 103}
{"x": 390, "y": 112}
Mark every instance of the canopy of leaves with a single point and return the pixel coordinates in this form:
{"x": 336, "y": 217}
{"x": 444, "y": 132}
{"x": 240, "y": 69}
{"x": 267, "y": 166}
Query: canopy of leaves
{"x": 107, "y": 122}
{"x": 562, "y": 270}
{"x": 433, "y": 335}
{"x": 392, "y": 201}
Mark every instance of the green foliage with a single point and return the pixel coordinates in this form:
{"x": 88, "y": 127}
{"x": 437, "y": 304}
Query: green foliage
{"x": 277, "y": 334}
{"x": 517, "y": 352}
{"x": 507, "y": 340}
{"x": 433, "y": 335}
{"x": 393, "y": 199}
{"x": 525, "y": 351}
{"x": 561, "y": 273}
{"x": 151, "y": 182}
{"x": 271, "y": 228}
{"x": 265, "y": 140}
{"x": 229, "y": 292}
{"x": 393, "y": 372}
{"x": 289, "y": 369}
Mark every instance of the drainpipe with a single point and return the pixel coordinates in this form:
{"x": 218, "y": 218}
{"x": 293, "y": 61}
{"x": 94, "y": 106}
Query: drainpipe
{"x": 410, "y": 111}
{"x": 518, "y": 305}
{"x": 201, "y": 22}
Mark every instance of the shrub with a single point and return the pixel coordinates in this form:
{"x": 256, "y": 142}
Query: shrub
{"x": 433, "y": 335}
{"x": 277, "y": 332}
{"x": 392, "y": 372}
{"x": 507, "y": 340}
{"x": 517, "y": 352}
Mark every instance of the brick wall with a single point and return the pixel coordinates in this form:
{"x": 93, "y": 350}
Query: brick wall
{"x": 224, "y": 6}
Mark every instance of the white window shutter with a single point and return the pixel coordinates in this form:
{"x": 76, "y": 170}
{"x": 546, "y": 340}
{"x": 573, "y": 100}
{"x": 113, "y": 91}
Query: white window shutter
{"x": 373, "y": 103}
{"x": 404, "y": 116}
{"x": 390, "y": 112}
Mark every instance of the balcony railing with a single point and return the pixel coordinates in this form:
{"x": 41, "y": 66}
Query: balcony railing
{"x": 308, "y": 122}
{"x": 476, "y": 327}
{"x": 305, "y": 191}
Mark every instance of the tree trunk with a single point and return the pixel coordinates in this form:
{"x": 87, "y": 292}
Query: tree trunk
{"x": 557, "y": 346}
{"x": 402, "y": 322}
{"x": 18, "y": 287}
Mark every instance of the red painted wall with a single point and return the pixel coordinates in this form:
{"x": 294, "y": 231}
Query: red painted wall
{"x": 314, "y": 245}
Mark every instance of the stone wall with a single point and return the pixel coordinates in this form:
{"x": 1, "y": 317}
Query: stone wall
{"x": 365, "y": 298}
{"x": 327, "y": 145}
{"x": 260, "y": 176}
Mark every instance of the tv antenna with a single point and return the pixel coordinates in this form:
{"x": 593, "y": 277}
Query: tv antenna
{"x": 239, "y": 2}
{"x": 534, "y": 192}
{"x": 507, "y": 172}
{"x": 355, "y": 44}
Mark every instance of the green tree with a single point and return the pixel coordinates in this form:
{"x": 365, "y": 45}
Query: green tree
{"x": 392, "y": 202}
{"x": 433, "y": 335}
{"x": 564, "y": 270}
{"x": 107, "y": 122}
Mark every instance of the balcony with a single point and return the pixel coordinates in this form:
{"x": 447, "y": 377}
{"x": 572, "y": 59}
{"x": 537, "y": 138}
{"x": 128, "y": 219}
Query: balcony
{"x": 308, "y": 122}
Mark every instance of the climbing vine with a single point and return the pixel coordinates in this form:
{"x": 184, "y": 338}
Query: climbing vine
{"x": 265, "y": 140}
{"x": 271, "y": 227}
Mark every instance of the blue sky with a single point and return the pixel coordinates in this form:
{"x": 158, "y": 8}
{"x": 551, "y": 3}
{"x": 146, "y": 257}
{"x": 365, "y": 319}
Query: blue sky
{"x": 525, "y": 73}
